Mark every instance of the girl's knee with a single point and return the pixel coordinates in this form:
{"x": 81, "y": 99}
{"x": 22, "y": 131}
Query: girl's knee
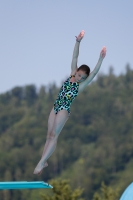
{"x": 52, "y": 135}
{"x": 55, "y": 132}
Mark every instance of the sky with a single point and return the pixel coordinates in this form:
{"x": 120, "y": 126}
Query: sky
{"x": 37, "y": 38}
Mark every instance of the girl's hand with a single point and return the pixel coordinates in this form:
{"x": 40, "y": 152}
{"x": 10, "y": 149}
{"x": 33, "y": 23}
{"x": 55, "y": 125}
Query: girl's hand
{"x": 103, "y": 53}
{"x": 80, "y": 36}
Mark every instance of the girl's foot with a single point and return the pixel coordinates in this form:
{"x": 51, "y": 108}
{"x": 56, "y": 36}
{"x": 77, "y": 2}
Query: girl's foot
{"x": 39, "y": 167}
{"x": 80, "y": 36}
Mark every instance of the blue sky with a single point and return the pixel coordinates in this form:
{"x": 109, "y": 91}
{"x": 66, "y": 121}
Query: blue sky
{"x": 37, "y": 38}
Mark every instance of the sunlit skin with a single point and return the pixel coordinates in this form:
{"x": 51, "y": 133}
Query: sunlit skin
{"x": 57, "y": 121}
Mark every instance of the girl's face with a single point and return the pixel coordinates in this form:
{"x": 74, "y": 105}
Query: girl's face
{"x": 80, "y": 76}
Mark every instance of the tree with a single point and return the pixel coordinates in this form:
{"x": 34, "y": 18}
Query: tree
{"x": 63, "y": 191}
{"x": 107, "y": 193}
{"x": 30, "y": 94}
{"x": 17, "y": 92}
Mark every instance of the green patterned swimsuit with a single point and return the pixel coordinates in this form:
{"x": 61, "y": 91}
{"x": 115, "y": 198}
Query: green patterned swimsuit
{"x": 67, "y": 94}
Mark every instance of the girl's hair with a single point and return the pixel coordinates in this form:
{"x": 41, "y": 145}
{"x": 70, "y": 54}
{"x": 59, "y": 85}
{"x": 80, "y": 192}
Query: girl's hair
{"x": 84, "y": 68}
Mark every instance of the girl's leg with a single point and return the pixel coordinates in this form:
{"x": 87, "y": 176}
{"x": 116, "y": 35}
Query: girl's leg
{"x": 52, "y": 137}
{"x": 50, "y": 127}
{"x": 51, "y": 120}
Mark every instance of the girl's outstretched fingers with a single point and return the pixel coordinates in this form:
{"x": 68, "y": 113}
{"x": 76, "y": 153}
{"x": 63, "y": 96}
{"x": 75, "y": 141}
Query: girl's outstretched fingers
{"x": 103, "y": 52}
{"x": 80, "y": 36}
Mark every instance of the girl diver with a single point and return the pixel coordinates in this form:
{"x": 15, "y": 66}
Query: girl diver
{"x": 78, "y": 80}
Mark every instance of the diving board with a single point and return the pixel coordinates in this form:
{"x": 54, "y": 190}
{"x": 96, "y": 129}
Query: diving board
{"x": 24, "y": 185}
{"x": 128, "y": 193}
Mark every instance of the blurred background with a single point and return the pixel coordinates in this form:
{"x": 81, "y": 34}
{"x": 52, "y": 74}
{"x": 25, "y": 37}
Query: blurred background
{"x": 36, "y": 45}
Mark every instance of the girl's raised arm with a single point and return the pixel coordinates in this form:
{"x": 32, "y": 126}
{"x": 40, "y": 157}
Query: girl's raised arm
{"x": 76, "y": 53}
{"x": 95, "y": 71}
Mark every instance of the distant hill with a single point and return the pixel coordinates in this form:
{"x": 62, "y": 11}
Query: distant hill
{"x": 95, "y": 145}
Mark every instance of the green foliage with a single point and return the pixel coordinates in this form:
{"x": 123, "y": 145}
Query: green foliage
{"x": 107, "y": 193}
{"x": 30, "y": 94}
{"x": 18, "y": 92}
{"x": 94, "y": 146}
{"x": 63, "y": 191}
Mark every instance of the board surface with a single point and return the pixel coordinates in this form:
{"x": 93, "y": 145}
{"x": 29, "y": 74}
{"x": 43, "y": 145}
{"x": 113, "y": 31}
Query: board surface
{"x": 24, "y": 185}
